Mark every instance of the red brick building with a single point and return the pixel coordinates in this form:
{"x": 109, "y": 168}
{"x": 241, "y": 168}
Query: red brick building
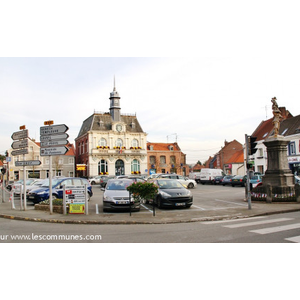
{"x": 166, "y": 158}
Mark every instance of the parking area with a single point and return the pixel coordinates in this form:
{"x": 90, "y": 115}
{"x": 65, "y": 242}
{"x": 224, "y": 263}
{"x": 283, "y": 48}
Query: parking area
{"x": 205, "y": 198}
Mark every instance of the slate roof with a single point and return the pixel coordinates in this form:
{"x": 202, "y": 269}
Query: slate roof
{"x": 290, "y": 126}
{"x": 103, "y": 122}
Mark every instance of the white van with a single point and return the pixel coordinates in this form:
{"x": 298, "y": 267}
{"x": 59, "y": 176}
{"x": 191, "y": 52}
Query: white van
{"x": 208, "y": 175}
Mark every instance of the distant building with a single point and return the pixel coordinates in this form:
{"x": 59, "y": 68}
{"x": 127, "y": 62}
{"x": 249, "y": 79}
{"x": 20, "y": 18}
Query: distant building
{"x": 166, "y": 158}
{"x": 111, "y": 143}
{"x": 62, "y": 165}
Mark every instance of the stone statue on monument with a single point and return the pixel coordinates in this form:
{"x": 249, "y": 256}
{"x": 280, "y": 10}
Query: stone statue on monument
{"x": 277, "y": 116}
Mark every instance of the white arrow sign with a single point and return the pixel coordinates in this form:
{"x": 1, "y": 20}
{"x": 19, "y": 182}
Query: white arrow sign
{"x": 19, "y": 152}
{"x": 20, "y": 144}
{"x": 54, "y": 129}
{"x": 54, "y": 143}
{"x": 27, "y": 163}
{"x": 23, "y": 134}
{"x": 54, "y": 151}
{"x": 62, "y": 136}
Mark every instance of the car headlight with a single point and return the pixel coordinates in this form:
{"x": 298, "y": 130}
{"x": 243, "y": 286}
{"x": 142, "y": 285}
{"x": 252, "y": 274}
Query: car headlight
{"x": 107, "y": 198}
{"x": 165, "y": 195}
{"x": 41, "y": 193}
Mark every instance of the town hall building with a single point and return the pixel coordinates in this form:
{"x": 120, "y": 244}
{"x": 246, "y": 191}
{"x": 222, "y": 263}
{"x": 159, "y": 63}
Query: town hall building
{"x": 111, "y": 143}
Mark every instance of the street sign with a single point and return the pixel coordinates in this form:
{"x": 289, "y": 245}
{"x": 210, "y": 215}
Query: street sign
{"x": 54, "y": 129}
{"x": 62, "y": 136}
{"x": 54, "y": 151}
{"x": 19, "y": 152}
{"x": 20, "y": 144}
{"x": 54, "y": 143}
{"x": 27, "y": 163}
{"x": 18, "y": 135}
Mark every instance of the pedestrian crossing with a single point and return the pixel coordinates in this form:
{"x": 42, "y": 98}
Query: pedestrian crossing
{"x": 267, "y": 224}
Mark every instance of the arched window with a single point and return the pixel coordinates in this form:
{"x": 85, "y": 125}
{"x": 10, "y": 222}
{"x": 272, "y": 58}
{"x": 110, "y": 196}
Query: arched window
{"x": 135, "y": 143}
{"x": 102, "y": 142}
{"x": 119, "y": 143}
{"x": 102, "y": 166}
{"x": 135, "y": 166}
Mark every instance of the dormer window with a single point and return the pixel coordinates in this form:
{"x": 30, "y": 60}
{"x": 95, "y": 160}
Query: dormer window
{"x": 171, "y": 148}
{"x": 285, "y": 130}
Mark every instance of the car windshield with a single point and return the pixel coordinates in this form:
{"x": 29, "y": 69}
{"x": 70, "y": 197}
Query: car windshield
{"x": 119, "y": 185}
{"x": 169, "y": 184}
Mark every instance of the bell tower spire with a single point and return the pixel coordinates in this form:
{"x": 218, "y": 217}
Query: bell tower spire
{"x": 115, "y": 109}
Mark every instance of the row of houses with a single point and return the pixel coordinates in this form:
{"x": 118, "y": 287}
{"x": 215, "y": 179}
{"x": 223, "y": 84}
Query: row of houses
{"x": 231, "y": 157}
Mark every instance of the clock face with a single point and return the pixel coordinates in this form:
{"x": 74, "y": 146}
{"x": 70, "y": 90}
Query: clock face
{"x": 119, "y": 127}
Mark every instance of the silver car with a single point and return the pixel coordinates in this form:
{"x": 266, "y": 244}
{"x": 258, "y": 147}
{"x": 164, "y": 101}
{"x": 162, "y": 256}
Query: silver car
{"x": 116, "y": 197}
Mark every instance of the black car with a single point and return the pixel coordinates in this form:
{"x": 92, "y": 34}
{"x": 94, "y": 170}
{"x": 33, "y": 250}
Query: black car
{"x": 104, "y": 179}
{"x": 218, "y": 180}
{"x": 227, "y": 180}
{"x": 238, "y": 180}
{"x": 171, "y": 193}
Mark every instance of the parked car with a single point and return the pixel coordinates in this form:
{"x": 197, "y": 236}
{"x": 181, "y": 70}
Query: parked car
{"x": 18, "y": 186}
{"x": 238, "y": 180}
{"x": 297, "y": 179}
{"x": 185, "y": 181}
{"x": 42, "y": 193}
{"x": 218, "y": 180}
{"x": 255, "y": 180}
{"x": 171, "y": 193}
{"x": 116, "y": 197}
{"x": 227, "y": 180}
{"x": 34, "y": 185}
{"x": 95, "y": 179}
{"x": 104, "y": 179}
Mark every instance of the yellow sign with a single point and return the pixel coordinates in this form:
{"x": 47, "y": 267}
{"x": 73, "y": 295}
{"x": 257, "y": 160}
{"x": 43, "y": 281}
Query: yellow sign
{"x": 48, "y": 122}
{"x": 80, "y": 167}
{"x": 76, "y": 209}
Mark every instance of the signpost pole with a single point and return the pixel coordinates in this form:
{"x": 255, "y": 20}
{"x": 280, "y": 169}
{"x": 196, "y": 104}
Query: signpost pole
{"x": 86, "y": 200}
{"x": 64, "y": 200}
{"x": 50, "y": 185}
{"x": 24, "y": 189}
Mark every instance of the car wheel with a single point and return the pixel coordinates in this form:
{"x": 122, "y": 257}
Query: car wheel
{"x": 190, "y": 185}
{"x": 232, "y": 185}
{"x": 54, "y": 197}
{"x": 93, "y": 182}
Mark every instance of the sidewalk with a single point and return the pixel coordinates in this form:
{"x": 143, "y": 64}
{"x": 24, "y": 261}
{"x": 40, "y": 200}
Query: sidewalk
{"x": 146, "y": 217}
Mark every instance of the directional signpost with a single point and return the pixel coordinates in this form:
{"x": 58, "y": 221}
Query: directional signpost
{"x": 53, "y": 140}
{"x": 20, "y": 146}
{"x": 27, "y": 163}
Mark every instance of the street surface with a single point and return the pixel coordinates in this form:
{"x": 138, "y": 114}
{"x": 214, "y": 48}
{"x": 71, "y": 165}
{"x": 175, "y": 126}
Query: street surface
{"x": 280, "y": 228}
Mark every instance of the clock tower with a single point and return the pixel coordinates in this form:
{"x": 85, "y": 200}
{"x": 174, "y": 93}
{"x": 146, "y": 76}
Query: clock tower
{"x": 115, "y": 109}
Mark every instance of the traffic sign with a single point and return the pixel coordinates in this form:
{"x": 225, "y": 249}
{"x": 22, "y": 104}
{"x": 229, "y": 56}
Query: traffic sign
{"x": 18, "y": 135}
{"x": 54, "y": 129}
{"x": 54, "y": 151}
{"x": 20, "y": 144}
{"x": 27, "y": 163}
{"x": 54, "y": 143}
{"x": 62, "y": 136}
{"x": 19, "y": 152}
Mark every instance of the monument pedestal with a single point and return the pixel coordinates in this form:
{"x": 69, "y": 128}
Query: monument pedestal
{"x": 278, "y": 182}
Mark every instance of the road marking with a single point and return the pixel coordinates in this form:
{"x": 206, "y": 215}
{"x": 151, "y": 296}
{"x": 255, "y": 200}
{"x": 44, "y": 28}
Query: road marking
{"x": 147, "y": 208}
{"x": 198, "y": 207}
{"x": 228, "y": 221}
{"x": 295, "y": 239}
{"x": 242, "y": 204}
{"x": 276, "y": 229}
{"x": 257, "y": 223}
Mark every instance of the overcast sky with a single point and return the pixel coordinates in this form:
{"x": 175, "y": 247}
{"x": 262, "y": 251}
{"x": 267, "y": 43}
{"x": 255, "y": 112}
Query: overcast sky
{"x": 201, "y": 76}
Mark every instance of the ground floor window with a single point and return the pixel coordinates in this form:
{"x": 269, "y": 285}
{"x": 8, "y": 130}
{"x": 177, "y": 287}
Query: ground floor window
{"x": 33, "y": 174}
{"x": 135, "y": 167}
{"x": 102, "y": 167}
